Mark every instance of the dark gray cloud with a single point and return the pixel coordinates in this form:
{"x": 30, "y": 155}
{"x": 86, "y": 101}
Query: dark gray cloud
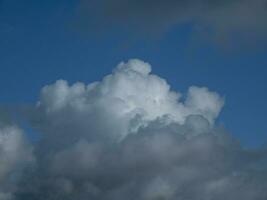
{"x": 128, "y": 136}
{"x": 229, "y": 20}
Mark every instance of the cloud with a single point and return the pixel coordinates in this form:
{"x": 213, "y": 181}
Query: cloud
{"x": 130, "y": 136}
{"x": 132, "y": 91}
{"x": 235, "y": 20}
{"x": 15, "y": 155}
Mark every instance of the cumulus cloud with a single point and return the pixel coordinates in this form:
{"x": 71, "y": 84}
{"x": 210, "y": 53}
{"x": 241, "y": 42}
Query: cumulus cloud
{"x": 129, "y": 136}
{"x": 241, "y": 19}
{"x": 15, "y": 155}
{"x": 130, "y": 95}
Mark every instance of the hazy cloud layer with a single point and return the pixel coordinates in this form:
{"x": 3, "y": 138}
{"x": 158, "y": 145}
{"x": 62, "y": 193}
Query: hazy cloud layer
{"x": 234, "y": 20}
{"x": 128, "y": 136}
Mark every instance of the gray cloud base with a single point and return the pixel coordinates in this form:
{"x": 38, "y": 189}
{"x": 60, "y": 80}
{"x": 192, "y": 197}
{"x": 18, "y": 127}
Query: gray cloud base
{"x": 129, "y": 136}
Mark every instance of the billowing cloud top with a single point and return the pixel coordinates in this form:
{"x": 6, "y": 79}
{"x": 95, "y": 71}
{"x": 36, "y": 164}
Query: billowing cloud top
{"x": 130, "y": 92}
{"x": 128, "y": 136}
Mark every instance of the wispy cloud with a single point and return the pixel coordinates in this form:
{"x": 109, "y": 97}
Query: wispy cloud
{"x": 236, "y": 21}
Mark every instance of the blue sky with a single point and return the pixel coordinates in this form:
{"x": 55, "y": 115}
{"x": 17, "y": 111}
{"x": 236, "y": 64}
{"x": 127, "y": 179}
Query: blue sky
{"x": 40, "y": 43}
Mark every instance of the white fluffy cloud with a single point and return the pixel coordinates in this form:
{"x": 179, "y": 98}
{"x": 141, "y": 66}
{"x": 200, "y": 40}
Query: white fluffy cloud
{"x": 115, "y": 102}
{"x": 130, "y": 136}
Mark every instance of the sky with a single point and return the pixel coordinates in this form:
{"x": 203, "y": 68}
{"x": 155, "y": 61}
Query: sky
{"x": 133, "y": 99}
{"x": 45, "y": 41}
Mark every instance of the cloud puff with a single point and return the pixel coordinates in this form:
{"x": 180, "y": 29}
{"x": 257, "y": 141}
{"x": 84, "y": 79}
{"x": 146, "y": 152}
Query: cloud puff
{"x": 130, "y": 136}
{"x": 116, "y": 102}
{"x": 15, "y": 155}
{"x": 242, "y": 19}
